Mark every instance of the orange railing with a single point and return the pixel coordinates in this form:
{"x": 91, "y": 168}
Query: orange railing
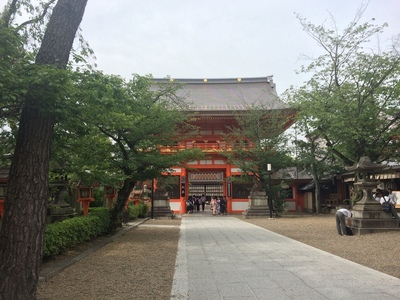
{"x": 205, "y": 147}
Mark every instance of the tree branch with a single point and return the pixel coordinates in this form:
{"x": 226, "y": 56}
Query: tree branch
{"x": 329, "y": 144}
{"x": 8, "y": 12}
{"x": 38, "y": 18}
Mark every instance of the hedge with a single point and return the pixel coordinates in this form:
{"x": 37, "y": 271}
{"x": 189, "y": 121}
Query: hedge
{"x": 61, "y": 236}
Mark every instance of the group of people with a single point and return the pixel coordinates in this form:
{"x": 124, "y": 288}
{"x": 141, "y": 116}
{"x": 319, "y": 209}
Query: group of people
{"x": 389, "y": 196}
{"x": 343, "y": 214}
{"x": 194, "y": 202}
{"x": 218, "y": 205}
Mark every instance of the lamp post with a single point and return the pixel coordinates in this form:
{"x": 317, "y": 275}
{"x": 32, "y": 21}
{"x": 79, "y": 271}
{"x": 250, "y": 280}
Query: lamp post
{"x": 110, "y": 194}
{"x": 269, "y": 169}
{"x": 85, "y": 196}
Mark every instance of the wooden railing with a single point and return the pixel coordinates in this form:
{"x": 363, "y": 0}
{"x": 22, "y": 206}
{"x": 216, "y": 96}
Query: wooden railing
{"x": 205, "y": 147}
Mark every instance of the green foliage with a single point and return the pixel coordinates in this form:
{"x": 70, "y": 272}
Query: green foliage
{"x": 14, "y": 84}
{"x": 64, "y": 235}
{"x": 104, "y": 215}
{"x": 98, "y": 195}
{"x": 258, "y": 140}
{"x": 133, "y": 212}
{"x": 350, "y": 107}
{"x": 14, "y": 81}
{"x": 137, "y": 211}
{"x": 54, "y": 86}
{"x": 119, "y": 128}
{"x": 279, "y": 196}
{"x": 22, "y": 26}
{"x": 29, "y": 19}
{"x": 107, "y": 129}
{"x": 351, "y": 103}
{"x": 18, "y": 74}
{"x": 143, "y": 208}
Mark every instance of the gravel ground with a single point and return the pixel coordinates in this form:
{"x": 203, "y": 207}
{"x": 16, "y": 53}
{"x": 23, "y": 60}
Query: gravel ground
{"x": 376, "y": 250}
{"x": 139, "y": 263}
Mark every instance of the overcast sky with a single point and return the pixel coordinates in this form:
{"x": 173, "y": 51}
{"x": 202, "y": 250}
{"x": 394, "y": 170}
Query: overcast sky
{"x": 217, "y": 38}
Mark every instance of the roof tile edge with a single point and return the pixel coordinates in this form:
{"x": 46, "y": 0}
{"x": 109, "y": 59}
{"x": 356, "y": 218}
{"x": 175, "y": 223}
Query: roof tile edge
{"x": 267, "y": 79}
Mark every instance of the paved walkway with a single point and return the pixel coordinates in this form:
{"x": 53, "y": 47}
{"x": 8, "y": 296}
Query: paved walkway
{"x": 222, "y": 257}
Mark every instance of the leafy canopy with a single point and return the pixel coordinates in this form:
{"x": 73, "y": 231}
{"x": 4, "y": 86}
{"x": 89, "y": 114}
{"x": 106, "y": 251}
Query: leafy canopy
{"x": 352, "y": 100}
{"x": 258, "y": 140}
{"x": 120, "y": 129}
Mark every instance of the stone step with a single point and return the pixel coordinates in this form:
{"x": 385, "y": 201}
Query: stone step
{"x": 375, "y": 223}
{"x": 359, "y": 231}
{"x": 256, "y": 213}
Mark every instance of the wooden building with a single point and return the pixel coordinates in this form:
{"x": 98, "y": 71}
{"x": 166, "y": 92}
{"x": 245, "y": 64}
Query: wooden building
{"x": 215, "y": 102}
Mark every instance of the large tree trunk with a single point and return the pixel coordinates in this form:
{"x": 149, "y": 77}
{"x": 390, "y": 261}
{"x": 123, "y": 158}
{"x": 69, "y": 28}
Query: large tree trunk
{"x": 123, "y": 195}
{"x": 317, "y": 195}
{"x": 21, "y": 236}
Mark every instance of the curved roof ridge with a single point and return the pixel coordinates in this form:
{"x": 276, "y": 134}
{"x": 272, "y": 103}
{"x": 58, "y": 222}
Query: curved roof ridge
{"x": 267, "y": 79}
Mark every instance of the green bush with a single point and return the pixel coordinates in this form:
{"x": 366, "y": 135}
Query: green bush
{"x": 104, "y": 215}
{"x": 63, "y": 235}
{"x": 137, "y": 211}
{"x": 142, "y": 210}
{"x": 98, "y": 195}
{"x": 278, "y": 198}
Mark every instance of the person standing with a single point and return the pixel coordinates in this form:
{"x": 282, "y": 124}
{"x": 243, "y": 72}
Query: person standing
{"x": 189, "y": 205}
{"x": 219, "y": 205}
{"x": 213, "y": 204}
{"x": 341, "y": 215}
{"x": 223, "y": 205}
{"x": 196, "y": 202}
{"x": 203, "y": 201}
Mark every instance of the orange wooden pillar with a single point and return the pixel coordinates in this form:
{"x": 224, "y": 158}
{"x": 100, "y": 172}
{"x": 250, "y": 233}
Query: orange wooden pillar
{"x": 184, "y": 190}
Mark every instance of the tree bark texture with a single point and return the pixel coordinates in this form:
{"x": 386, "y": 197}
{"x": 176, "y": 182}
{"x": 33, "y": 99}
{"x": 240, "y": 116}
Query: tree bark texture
{"x": 123, "y": 195}
{"x": 22, "y": 232}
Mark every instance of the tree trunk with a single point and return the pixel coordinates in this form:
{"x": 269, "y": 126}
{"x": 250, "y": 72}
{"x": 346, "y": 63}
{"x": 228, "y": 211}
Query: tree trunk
{"x": 317, "y": 195}
{"x": 21, "y": 236}
{"x": 123, "y": 195}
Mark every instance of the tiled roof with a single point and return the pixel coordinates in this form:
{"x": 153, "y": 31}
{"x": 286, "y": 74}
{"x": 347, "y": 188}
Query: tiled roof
{"x": 227, "y": 94}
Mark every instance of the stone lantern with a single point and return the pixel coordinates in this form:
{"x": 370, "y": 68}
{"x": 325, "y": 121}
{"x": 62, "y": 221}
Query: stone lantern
{"x": 259, "y": 204}
{"x": 368, "y": 216}
{"x": 58, "y": 209}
